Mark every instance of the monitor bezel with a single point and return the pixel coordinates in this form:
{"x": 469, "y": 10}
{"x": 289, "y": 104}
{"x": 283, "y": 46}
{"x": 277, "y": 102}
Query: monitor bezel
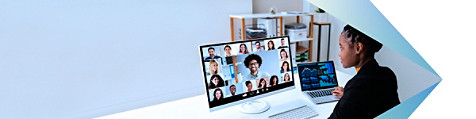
{"x": 315, "y": 63}
{"x": 218, "y": 107}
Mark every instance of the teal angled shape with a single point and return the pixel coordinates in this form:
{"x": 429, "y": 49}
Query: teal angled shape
{"x": 406, "y": 108}
{"x": 363, "y": 15}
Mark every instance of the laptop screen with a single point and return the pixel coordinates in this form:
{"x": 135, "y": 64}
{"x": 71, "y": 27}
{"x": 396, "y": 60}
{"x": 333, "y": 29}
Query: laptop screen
{"x": 318, "y": 75}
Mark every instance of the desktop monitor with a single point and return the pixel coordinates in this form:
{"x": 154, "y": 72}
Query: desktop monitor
{"x": 241, "y": 72}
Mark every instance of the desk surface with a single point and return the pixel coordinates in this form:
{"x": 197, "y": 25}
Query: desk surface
{"x": 197, "y": 106}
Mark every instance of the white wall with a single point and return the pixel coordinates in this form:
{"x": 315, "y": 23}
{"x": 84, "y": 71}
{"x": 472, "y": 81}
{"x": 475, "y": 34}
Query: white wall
{"x": 263, "y": 6}
{"x": 81, "y": 59}
{"x": 411, "y": 78}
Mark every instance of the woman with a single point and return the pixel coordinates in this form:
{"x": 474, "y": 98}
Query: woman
{"x": 262, "y": 83}
{"x": 283, "y": 54}
{"x": 213, "y": 67}
{"x": 274, "y": 80}
{"x": 216, "y": 81}
{"x": 217, "y": 95}
{"x": 243, "y": 49}
{"x": 249, "y": 86}
{"x": 373, "y": 86}
{"x": 286, "y": 78}
{"x": 285, "y": 67}
{"x": 270, "y": 45}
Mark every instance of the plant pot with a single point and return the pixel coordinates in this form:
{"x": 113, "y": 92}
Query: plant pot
{"x": 321, "y": 17}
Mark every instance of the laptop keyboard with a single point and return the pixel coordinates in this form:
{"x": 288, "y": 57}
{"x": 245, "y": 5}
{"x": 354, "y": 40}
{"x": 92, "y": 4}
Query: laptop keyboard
{"x": 320, "y": 93}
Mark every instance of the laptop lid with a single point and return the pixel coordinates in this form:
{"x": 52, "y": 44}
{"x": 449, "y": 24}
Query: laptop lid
{"x": 317, "y": 75}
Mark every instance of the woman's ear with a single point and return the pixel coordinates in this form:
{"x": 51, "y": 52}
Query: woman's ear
{"x": 359, "y": 48}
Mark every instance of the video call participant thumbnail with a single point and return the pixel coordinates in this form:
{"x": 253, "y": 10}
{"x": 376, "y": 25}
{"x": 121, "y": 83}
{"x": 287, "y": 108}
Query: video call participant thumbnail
{"x": 253, "y": 62}
{"x": 258, "y": 47}
{"x": 373, "y": 90}
{"x": 274, "y": 80}
{"x": 285, "y": 67}
{"x": 249, "y": 86}
{"x": 283, "y": 44}
{"x": 213, "y": 67}
{"x": 211, "y": 54}
{"x": 217, "y": 95}
{"x": 227, "y": 49}
{"x": 286, "y": 77}
{"x": 216, "y": 81}
{"x": 262, "y": 85}
{"x": 270, "y": 45}
{"x": 232, "y": 90}
{"x": 283, "y": 54}
{"x": 243, "y": 49}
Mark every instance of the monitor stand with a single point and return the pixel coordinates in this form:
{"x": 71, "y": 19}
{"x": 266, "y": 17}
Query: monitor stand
{"x": 254, "y": 107}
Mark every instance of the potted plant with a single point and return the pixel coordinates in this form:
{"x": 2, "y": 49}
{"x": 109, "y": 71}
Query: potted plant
{"x": 321, "y": 15}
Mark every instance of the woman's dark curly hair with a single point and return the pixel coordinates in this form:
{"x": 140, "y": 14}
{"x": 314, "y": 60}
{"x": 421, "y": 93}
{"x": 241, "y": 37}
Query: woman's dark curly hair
{"x": 371, "y": 46}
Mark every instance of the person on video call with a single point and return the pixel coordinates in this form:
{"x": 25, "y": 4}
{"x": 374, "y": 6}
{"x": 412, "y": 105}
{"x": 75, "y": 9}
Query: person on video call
{"x": 243, "y": 49}
{"x": 286, "y": 77}
{"x": 262, "y": 83}
{"x": 249, "y": 86}
{"x": 213, "y": 67}
{"x": 274, "y": 80}
{"x": 285, "y": 67}
{"x": 232, "y": 90}
{"x": 227, "y": 51}
{"x": 211, "y": 54}
{"x": 217, "y": 95}
{"x": 373, "y": 90}
{"x": 283, "y": 54}
{"x": 283, "y": 44}
{"x": 253, "y": 63}
{"x": 216, "y": 81}
{"x": 270, "y": 45}
{"x": 258, "y": 47}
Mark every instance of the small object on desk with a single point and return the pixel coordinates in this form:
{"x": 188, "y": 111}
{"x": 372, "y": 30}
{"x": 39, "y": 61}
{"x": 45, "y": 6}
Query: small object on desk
{"x": 272, "y": 10}
{"x": 302, "y": 112}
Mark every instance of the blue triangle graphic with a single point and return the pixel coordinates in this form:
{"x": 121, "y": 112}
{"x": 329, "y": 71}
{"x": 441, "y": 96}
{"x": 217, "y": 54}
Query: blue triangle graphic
{"x": 406, "y": 108}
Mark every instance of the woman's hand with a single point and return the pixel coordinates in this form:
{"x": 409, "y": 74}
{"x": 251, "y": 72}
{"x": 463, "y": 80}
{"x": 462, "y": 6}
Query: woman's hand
{"x": 338, "y": 92}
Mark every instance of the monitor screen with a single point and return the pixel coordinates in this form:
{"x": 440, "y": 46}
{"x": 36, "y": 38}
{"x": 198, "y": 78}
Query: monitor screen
{"x": 240, "y": 70}
{"x": 317, "y": 75}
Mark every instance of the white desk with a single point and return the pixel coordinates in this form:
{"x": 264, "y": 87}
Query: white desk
{"x": 197, "y": 107}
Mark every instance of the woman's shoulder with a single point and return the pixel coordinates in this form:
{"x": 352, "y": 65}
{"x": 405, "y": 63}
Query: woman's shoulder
{"x": 379, "y": 75}
{"x": 386, "y": 72}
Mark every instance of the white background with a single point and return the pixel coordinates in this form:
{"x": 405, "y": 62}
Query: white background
{"x": 443, "y": 32}
{"x": 88, "y": 58}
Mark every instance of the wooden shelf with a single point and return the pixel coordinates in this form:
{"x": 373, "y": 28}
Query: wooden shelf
{"x": 266, "y": 15}
{"x": 301, "y": 49}
{"x": 322, "y": 23}
{"x": 279, "y": 16}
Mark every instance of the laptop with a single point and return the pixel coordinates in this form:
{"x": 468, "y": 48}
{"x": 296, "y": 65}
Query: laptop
{"x": 318, "y": 80}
